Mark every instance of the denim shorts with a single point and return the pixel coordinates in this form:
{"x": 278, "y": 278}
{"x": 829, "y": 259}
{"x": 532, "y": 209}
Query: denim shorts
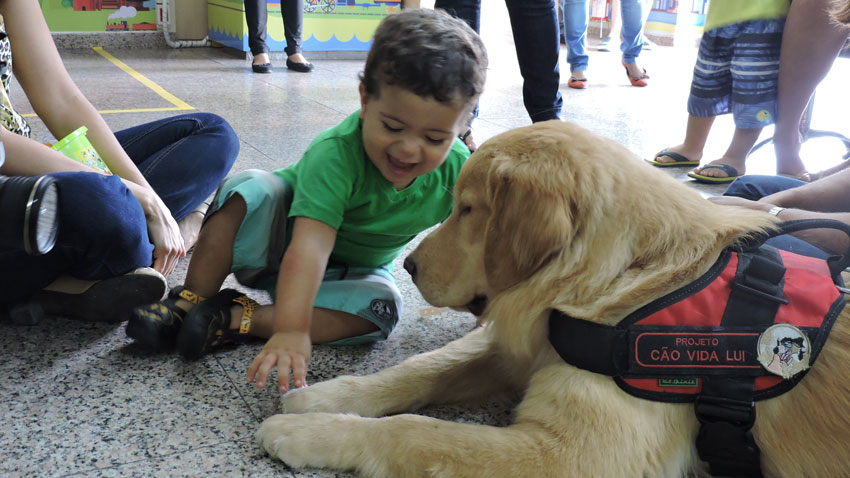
{"x": 737, "y": 71}
{"x": 262, "y": 239}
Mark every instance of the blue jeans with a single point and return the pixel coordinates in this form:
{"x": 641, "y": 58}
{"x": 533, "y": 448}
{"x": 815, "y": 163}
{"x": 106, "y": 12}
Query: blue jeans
{"x": 102, "y": 227}
{"x": 575, "y": 31}
{"x": 534, "y": 24}
{"x": 755, "y": 187}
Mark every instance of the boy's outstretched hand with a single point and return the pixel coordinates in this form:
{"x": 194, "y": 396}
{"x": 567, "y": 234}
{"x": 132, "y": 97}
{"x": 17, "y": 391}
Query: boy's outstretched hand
{"x": 287, "y": 351}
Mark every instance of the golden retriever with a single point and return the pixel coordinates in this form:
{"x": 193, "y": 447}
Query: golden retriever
{"x": 552, "y": 216}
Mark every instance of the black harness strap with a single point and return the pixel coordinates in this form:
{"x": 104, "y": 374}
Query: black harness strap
{"x": 724, "y": 406}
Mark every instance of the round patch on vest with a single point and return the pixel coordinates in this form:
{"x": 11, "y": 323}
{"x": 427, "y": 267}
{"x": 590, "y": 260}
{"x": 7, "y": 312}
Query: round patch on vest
{"x": 383, "y": 309}
{"x": 784, "y": 350}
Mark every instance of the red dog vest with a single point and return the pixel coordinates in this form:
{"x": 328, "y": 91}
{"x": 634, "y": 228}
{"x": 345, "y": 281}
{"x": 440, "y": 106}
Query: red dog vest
{"x": 747, "y": 330}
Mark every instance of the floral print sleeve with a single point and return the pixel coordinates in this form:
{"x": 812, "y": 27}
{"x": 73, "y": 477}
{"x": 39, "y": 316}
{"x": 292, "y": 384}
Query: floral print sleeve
{"x": 9, "y": 118}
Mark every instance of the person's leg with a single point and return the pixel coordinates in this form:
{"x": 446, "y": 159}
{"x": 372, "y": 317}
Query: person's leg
{"x": 534, "y": 24}
{"x": 470, "y": 12}
{"x": 98, "y": 268}
{"x": 292, "y": 12}
{"x": 696, "y": 135}
{"x": 256, "y": 17}
{"x": 327, "y": 325}
{"x": 614, "y": 26}
{"x": 632, "y": 36}
{"x": 735, "y": 156}
{"x": 709, "y": 97}
{"x": 243, "y": 233}
{"x": 467, "y": 10}
{"x": 575, "y": 32}
{"x": 810, "y": 43}
{"x": 184, "y": 158}
{"x": 102, "y": 234}
{"x": 756, "y": 186}
{"x": 753, "y": 69}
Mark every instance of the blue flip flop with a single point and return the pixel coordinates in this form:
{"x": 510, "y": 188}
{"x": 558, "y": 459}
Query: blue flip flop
{"x": 732, "y": 174}
{"x": 678, "y": 160}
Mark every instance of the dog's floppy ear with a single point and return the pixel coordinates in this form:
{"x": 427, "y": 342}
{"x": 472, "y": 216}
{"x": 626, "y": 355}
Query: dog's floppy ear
{"x": 530, "y": 219}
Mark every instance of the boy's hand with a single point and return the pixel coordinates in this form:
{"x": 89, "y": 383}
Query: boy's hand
{"x": 288, "y": 351}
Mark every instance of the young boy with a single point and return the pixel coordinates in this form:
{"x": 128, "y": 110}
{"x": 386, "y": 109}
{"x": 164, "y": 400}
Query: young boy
{"x": 736, "y": 71}
{"x": 322, "y": 235}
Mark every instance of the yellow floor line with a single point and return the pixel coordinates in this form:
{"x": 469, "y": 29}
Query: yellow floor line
{"x": 177, "y": 102}
{"x": 179, "y": 105}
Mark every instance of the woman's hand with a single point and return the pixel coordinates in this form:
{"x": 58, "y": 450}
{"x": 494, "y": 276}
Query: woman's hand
{"x": 164, "y": 234}
{"x": 286, "y": 351}
{"x": 741, "y": 202}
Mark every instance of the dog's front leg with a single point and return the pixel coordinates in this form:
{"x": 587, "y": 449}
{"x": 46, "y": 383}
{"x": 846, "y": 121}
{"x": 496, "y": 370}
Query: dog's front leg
{"x": 467, "y": 368}
{"x": 407, "y": 446}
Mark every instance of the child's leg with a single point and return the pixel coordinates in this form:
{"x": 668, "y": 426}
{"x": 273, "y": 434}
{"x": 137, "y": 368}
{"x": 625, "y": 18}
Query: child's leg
{"x": 710, "y": 96}
{"x": 736, "y": 155}
{"x": 696, "y": 136}
{"x": 327, "y": 325}
{"x": 213, "y": 254}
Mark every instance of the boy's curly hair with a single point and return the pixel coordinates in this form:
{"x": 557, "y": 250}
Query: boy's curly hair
{"x": 841, "y": 11}
{"x": 427, "y": 52}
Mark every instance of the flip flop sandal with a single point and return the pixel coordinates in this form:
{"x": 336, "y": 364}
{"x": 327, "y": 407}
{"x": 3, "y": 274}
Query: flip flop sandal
{"x": 155, "y": 326}
{"x": 729, "y": 170}
{"x": 207, "y": 325}
{"x": 468, "y": 137}
{"x": 678, "y": 160}
{"x": 639, "y": 80}
{"x": 577, "y": 83}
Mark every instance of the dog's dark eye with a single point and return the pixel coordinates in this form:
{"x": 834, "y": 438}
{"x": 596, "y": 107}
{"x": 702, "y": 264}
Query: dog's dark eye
{"x": 464, "y": 211}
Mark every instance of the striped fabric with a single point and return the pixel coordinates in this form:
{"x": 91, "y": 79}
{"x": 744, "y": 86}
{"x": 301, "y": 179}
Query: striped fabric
{"x": 737, "y": 71}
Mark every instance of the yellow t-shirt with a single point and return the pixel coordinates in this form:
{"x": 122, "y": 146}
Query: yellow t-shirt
{"x": 728, "y": 12}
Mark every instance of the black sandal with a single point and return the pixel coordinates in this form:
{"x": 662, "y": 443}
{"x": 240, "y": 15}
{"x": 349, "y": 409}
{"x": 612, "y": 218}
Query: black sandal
{"x": 155, "y": 326}
{"x": 208, "y": 324}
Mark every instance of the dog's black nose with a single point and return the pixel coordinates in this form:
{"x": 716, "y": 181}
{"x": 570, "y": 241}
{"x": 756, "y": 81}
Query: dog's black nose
{"x": 410, "y": 266}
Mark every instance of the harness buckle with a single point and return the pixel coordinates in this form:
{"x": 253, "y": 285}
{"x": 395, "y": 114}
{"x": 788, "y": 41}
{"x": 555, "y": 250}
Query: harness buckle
{"x": 724, "y": 440}
{"x": 735, "y": 412}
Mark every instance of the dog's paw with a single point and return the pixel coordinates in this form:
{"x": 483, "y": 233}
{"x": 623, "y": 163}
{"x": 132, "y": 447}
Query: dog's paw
{"x": 318, "y": 440}
{"x": 340, "y": 395}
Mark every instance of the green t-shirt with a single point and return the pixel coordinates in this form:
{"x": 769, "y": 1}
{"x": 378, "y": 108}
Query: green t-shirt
{"x": 728, "y": 12}
{"x": 337, "y": 184}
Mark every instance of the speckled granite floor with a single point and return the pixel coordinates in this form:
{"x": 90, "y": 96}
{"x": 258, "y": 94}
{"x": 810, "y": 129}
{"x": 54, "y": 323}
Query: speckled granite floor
{"x": 80, "y": 400}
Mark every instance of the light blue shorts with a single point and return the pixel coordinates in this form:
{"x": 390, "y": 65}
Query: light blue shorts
{"x": 265, "y": 233}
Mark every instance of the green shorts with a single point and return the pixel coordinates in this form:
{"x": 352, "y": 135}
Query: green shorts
{"x": 265, "y": 233}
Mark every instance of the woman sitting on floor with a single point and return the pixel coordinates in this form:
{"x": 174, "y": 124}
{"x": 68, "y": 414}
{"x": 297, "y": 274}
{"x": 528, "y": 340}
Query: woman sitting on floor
{"x": 121, "y": 230}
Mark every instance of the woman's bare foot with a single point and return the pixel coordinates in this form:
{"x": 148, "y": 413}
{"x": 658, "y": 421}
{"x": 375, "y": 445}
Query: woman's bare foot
{"x": 298, "y": 58}
{"x": 190, "y": 226}
{"x": 634, "y": 70}
{"x": 261, "y": 59}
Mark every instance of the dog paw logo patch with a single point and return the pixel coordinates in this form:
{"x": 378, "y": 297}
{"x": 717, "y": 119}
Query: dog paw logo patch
{"x": 383, "y": 309}
{"x": 784, "y": 350}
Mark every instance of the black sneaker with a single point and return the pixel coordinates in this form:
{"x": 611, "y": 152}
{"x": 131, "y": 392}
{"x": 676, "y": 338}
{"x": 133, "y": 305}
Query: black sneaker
{"x": 155, "y": 326}
{"x": 108, "y": 300}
